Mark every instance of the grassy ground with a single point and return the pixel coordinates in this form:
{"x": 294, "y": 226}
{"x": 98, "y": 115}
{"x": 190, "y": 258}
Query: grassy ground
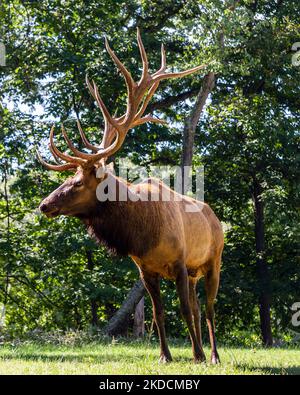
{"x": 140, "y": 358}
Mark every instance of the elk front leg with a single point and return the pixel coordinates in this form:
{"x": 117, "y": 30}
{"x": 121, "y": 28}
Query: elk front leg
{"x": 182, "y": 286}
{"x": 152, "y": 284}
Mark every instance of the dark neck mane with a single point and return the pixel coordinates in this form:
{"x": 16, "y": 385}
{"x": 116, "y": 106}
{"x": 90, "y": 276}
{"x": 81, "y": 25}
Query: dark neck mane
{"x": 125, "y": 227}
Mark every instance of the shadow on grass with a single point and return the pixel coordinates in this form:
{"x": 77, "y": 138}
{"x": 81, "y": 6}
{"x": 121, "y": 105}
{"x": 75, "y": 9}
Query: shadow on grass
{"x": 82, "y": 357}
{"x": 291, "y": 370}
{"x": 98, "y": 358}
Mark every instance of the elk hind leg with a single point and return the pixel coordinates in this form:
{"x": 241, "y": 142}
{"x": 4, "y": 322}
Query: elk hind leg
{"x": 211, "y": 288}
{"x": 195, "y": 306}
{"x": 182, "y": 285}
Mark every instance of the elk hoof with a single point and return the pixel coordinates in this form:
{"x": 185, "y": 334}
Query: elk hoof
{"x": 215, "y": 360}
{"x": 165, "y": 359}
{"x": 200, "y": 359}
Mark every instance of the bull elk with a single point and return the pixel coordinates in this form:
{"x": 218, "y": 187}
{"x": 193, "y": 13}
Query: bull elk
{"x": 162, "y": 238}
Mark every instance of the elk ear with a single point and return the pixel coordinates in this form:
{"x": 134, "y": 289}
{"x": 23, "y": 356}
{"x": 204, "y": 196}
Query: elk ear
{"x": 110, "y": 167}
{"x": 103, "y": 169}
{"x": 100, "y": 172}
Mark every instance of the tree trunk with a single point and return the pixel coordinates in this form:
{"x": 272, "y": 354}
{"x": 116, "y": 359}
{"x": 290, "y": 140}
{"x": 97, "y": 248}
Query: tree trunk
{"x": 90, "y": 265}
{"x": 119, "y": 322}
{"x": 262, "y": 267}
{"x": 139, "y": 319}
{"x": 8, "y": 263}
{"x": 192, "y": 120}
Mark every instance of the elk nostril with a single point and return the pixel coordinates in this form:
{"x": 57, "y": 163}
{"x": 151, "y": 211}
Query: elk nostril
{"x": 43, "y": 207}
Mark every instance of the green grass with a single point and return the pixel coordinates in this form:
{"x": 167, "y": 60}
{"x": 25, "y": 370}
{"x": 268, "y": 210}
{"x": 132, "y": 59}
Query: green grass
{"x": 140, "y": 358}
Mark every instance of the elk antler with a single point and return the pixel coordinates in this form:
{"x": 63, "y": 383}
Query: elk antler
{"x": 138, "y": 96}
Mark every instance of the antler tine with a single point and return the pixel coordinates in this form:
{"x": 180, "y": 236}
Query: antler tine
{"x": 71, "y": 146}
{"x": 110, "y": 150}
{"x": 65, "y": 157}
{"x": 107, "y": 137}
{"x": 163, "y": 61}
{"x": 56, "y": 158}
{"x": 94, "y": 148}
{"x": 149, "y": 118}
{"x": 163, "y": 58}
{"x": 49, "y": 166}
{"x": 109, "y": 126}
{"x": 143, "y": 53}
{"x": 133, "y": 104}
{"x": 129, "y": 80}
{"x": 89, "y": 85}
{"x": 163, "y": 76}
{"x": 82, "y": 155}
{"x": 107, "y": 117}
{"x": 110, "y": 131}
{"x": 147, "y": 99}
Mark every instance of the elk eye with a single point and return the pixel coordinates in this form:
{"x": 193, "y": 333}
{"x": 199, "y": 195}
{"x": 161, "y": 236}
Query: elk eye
{"x": 78, "y": 183}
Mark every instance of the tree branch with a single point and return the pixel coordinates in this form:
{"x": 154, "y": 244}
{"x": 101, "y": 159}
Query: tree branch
{"x": 170, "y": 100}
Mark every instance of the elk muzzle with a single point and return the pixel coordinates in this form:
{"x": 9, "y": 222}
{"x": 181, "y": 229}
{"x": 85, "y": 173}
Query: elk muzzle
{"x": 48, "y": 209}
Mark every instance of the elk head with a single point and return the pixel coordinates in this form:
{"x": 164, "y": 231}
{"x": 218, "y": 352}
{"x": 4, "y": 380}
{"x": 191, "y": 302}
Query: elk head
{"x": 77, "y": 195}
